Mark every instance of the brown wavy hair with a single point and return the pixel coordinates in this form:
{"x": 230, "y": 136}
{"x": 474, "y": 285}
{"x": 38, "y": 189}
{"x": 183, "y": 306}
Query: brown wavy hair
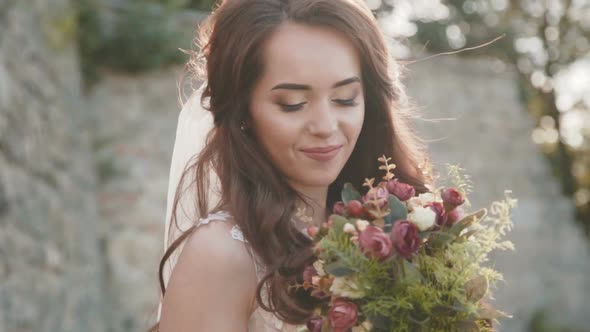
{"x": 252, "y": 189}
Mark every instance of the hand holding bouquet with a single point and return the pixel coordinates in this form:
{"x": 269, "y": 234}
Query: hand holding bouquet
{"x": 389, "y": 260}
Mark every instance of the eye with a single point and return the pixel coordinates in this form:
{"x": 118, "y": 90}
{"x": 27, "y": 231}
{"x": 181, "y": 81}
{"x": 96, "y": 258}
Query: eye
{"x": 292, "y": 107}
{"x": 346, "y": 102}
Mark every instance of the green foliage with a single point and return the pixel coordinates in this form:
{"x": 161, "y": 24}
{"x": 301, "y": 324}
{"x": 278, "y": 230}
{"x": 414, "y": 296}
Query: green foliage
{"x": 443, "y": 285}
{"x": 350, "y": 193}
{"x": 131, "y": 36}
{"x": 398, "y": 211}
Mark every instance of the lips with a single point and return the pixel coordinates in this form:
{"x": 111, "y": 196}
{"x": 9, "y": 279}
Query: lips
{"x": 322, "y": 149}
{"x": 322, "y": 153}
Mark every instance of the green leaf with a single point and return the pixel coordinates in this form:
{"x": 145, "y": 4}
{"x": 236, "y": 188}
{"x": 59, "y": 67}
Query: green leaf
{"x": 338, "y": 223}
{"x": 338, "y": 269}
{"x": 467, "y": 221}
{"x": 379, "y": 321}
{"x": 412, "y": 274}
{"x": 441, "y": 239}
{"x": 397, "y": 210}
{"x": 476, "y": 288}
{"x": 468, "y": 234}
{"x": 419, "y": 320}
{"x": 424, "y": 235}
{"x": 467, "y": 326}
{"x": 350, "y": 193}
{"x": 443, "y": 310}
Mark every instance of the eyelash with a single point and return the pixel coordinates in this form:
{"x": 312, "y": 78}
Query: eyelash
{"x": 297, "y": 107}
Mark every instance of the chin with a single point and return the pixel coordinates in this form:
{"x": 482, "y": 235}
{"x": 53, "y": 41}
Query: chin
{"x": 321, "y": 180}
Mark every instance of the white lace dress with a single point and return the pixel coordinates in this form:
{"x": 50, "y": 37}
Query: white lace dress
{"x": 260, "y": 320}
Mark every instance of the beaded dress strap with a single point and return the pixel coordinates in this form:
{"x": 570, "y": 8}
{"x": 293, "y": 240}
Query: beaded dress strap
{"x": 236, "y": 232}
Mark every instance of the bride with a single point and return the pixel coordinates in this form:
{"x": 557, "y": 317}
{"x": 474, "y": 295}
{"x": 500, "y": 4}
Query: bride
{"x": 299, "y": 97}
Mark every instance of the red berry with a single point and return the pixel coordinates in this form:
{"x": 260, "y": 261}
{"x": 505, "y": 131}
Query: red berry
{"x": 355, "y": 208}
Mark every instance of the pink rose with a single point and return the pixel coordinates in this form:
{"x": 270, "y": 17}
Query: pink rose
{"x": 406, "y": 238}
{"x": 441, "y": 215}
{"x": 452, "y": 198}
{"x": 343, "y": 315}
{"x": 375, "y": 243}
{"x": 401, "y": 190}
{"x": 314, "y": 324}
{"x": 338, "y": 208}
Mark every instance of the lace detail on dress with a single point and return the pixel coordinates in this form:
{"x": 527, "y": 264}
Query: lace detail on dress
{"x": 221, "y": 215}
{"x": 236, "y": 234}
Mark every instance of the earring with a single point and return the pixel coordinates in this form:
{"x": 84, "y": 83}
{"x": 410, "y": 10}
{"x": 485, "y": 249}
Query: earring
{"x": 243, "y": 126}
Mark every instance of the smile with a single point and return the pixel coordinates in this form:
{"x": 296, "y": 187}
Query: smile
{"x": 322, "y": 154}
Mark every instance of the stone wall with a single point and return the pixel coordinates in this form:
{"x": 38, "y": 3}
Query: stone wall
{"x": 136, "y": 122}
{"x": 50, "y": 267}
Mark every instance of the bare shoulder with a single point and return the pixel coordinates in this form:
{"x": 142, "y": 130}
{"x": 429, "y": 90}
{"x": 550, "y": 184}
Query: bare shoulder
{"x": 213, "y": 283}
{"x": 213, "y": 244}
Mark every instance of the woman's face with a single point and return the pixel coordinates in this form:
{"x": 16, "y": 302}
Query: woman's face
{"x": 310, "y": 96}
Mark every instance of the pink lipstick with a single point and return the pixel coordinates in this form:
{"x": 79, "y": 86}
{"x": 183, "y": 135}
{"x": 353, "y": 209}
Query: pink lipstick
{"x": 322, "y": 153}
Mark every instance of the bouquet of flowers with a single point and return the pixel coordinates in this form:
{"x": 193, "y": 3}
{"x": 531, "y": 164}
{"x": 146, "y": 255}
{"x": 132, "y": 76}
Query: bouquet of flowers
{"x": 389, "y": 260}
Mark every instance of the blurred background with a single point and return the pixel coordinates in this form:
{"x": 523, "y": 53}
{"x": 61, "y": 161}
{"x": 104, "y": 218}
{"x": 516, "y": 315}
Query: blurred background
{"x": 88, "y": 111}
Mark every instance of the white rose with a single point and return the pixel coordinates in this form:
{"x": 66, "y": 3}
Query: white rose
{"x": 362, "y": 224}
{"x": 349, "y": 228}
{"x": 346, "y": 287}
{"x": 319, "y": 267}
{"x": 422, "y": 217}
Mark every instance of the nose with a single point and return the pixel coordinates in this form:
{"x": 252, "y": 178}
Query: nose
{"x": 323, "y": 120}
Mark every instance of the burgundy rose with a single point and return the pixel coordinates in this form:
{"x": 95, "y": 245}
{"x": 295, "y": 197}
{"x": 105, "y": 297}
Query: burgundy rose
{"x": 375, "y": 243}
{"x": 455, "y": 215}
{"x": 441, "y": 215}
{"x": 343, "y": 315}
{"x": 314, "y": 324}
{"x": 452, "y": 198}
{"x": 339, "y": 208}
{"x": 401, "y": 190}
{"x": 406, "y": 238}
{"x": 308, "y": 273}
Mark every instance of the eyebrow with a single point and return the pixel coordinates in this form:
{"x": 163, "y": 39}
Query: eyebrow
{"x": 294, "y": 86}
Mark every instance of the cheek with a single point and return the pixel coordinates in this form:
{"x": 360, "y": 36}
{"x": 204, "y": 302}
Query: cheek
{"x": 354, "y": 123}
{"x": 276, "y": 132}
